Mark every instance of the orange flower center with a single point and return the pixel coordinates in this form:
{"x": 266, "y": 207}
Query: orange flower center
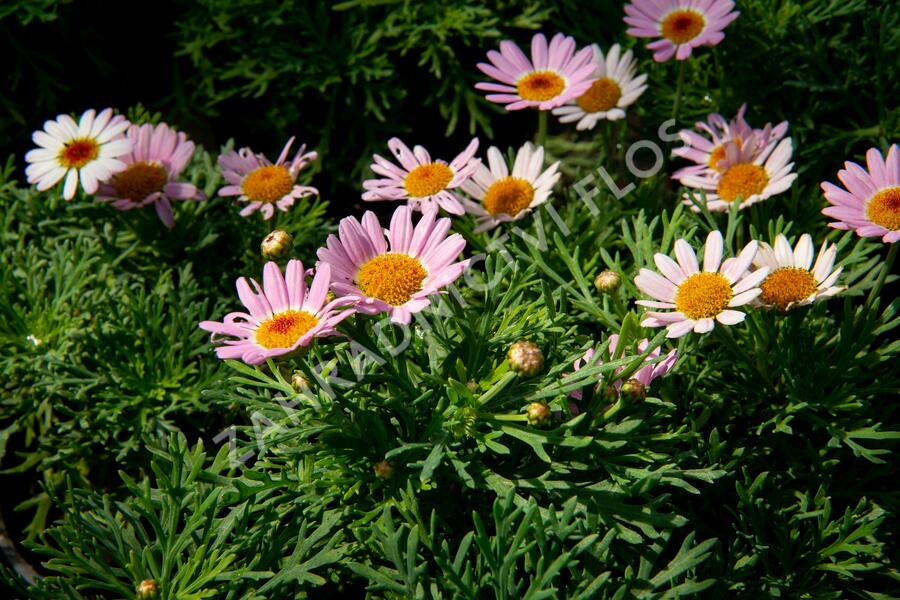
{"x": 540, "y": 86}
{"x": 787, "y": 285}
{"x": 268, "y": 184}
{"x": 139, "y": 180}
{"x": 78, "y": 153}
{"x": 427, "y": 180}
{"x": 703, "y": 295}
{"x": 682, "y": 25}
{"x": 391, "y": 277}
{"x": 884, "y": 208}
{"x": 742, "y": 181}
{"x": 603, "y": 95}
{"x": 510, "y": 196}
{"x": 284, "y": 329}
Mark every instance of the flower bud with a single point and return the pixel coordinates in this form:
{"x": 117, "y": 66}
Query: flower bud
{"x": 525, "y": 358}
{"x": 299, "y": 382}
{"x": 633, "y": 390}
{"x": 609, "y": 392}
{"x": 277, "y": 245}
{"x": 147, "y": 589}
{"x": 384, "y": 469}
{"x": 607, "y": 281}
{"x": 538, "y": 413}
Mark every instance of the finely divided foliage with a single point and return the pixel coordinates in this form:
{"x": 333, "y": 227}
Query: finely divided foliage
{"x": 541, "y": 368}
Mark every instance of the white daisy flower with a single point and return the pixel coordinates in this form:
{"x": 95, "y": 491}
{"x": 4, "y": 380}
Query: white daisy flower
{"x": 617, "y": 86}
{"x": 790, "y": 282}
{"x": 87, "y": 150}
{"x": 503, "y": 197}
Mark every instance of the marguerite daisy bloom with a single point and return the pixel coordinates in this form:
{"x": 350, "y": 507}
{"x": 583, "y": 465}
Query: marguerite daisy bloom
{"x": 706, "y": 152}
{"x": 791, "y": 282}
{"x": 555, "y": 73}
{"x": 699, "y": 298}
{"x": 616, "y": 87}
{"x": 646, "y": 374}
{"x": 283, "y": 315}
{"x": 682, "y": 24}
{"x": 509, "y": 197}
{"x": 747, "y": 172}
{"x": 159, "y": 154}
{"x": 870, "y": 205}
{"x": 264, "y": 185}
{"x": 398, "y": 280}
{"x": 424, "y": 182}
{"x": 87, "y": 149}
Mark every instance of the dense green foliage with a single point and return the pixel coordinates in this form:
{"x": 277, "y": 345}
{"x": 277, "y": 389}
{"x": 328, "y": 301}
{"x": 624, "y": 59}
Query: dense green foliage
{"x": 761, "y": 466}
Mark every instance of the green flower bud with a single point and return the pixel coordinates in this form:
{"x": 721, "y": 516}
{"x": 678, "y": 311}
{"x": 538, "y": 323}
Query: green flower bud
{"x": 525, "y": 358}
{"x": 607, "y": 281}
{"x": 633, "y": 390}
{"x": 384, "y": 469}
{"x": 277, "y": 245}
{"x": 538, "y": 413}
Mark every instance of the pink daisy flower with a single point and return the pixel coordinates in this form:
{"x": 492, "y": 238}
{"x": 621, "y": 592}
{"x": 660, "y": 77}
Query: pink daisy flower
{"x": 646, "y": 374}
{"x": 699, "y": 298}
{"x": 264, "y": 185}
{"x": 423, "y": 182}
{"x": 870, "y": 204}
{"x": 283, "y": 315}
{"x": 398, "y": 280}
{"x": 707, "y": 151}
{"x": 555, "y": 73}
{"x": 682, "y": 24}
{"x": 748, "y": 172}
{"x": 158, "y": 156}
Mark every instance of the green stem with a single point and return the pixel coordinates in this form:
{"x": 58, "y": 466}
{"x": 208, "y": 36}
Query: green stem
{"x": 541, "y": 137}
{"x": 679, "y": 88}
{"x": 742, "y": 355}
{"x": 886, "y": 267}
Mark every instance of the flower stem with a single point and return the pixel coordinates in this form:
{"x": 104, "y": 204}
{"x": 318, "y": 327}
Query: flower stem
{"x": 886, "y": 267}
{"x": 742, "y": 355}
{"x": 679, "y": 88}
{"x": 541, "y": 137}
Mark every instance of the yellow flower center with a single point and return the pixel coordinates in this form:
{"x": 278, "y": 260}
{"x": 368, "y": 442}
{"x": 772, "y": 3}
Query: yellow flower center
{"x": 703, "y": 295}
{"x": 268, "y": 184}
{"x": 884, "y": 208}
{"x": 391, "y": 277}
{"x": 682, "y": 25}
{"x": 78, "y": 153}
{"x": 510, "y": 196}
{"x": 139, "y": 180}
{"x": 718, "y": 154}
{"x": 427, "y": 180}
{"x": 603, "y": 95}
{"x": 284, "y": 329}
{"x": 540, "y": 86}
{"x": 787, "y": 285}
{"x": 742, "y": 180}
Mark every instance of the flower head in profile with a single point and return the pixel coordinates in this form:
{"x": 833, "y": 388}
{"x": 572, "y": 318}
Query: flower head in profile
{"x": 707, "y": 148}
{"x": 681, "y": 25}
{"x": 696, "y": 299}
{"x": 397, "y": 275}
{"x": 554, "y": 74}
{"x": 617, "y": 87}
{"x": 503, "y": 196}
{"x": 262, "y": 184}
{"x": 646, "y": 374}
{"x": 423, "y": 182}
{"x": 793, "y": 280}
{"x": 748, "y": 172}
{"x": 869, "y": 202}
{"x": 159, "y": 154}
{"x": 89, "y": 150}
{"x": 283, "y": 314}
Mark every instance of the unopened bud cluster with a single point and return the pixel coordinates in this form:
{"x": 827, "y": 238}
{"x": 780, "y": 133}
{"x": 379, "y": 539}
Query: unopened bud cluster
{"x": 525, "y": 358}
{"x": 538, "y": 413}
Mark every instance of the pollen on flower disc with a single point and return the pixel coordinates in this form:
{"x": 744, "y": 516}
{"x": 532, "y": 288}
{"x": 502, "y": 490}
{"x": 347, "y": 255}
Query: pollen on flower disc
{"x": 703, "y": 295}
{"x": 603, "y": 95}
{"x": 391, "y": 277}
{"x": 268, "y": 184}
{"x": 742, "y": 180}
{"x": 682, "y": 25}
{"x": 284, "y": 329}
{"x": 139, "y": 180}
{"x": 78, "y": 153}
{"x": 510, "y": 196}
{"x": 884, "y": 208}
{"x": 428, "y": 179}
{"x": 540, "y": 86}
{"x": 784, "y": 286}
